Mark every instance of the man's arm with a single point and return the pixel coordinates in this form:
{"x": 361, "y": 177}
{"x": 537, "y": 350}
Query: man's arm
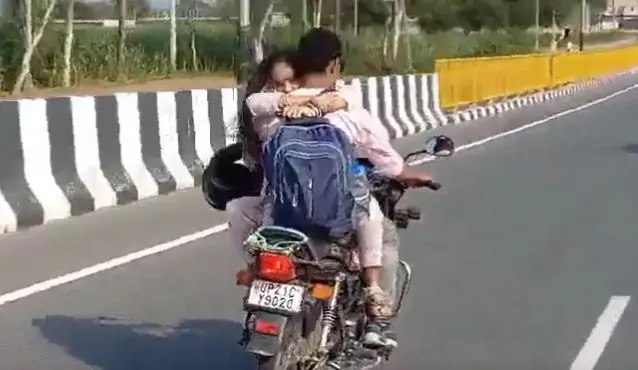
{"x": 374, "y": 142}
{"x": 352, "y": 96}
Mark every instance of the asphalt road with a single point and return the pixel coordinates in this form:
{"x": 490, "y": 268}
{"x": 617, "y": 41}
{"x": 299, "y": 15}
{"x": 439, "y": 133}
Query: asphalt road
{"x": 514, "y": 262}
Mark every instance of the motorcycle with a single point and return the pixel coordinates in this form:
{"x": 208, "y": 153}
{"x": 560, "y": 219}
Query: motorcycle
{"x": 304, "y": 303}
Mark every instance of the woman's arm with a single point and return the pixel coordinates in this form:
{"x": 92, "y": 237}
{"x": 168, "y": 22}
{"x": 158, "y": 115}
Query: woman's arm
{"x": 345, "y": 97}
{"x": 264, "y": 103}
{"x": 270, "y": 103}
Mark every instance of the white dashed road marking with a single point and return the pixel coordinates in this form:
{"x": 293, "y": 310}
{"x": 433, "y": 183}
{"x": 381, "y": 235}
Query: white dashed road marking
{"x": 600, "y": 334}
{"x": 186, "y": 239}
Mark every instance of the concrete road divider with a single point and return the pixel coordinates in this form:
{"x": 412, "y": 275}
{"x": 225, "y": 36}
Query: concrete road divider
{"x": 574, "y": 67}
{"x": 471, "y": 81}
{"x": 63, "y": 157}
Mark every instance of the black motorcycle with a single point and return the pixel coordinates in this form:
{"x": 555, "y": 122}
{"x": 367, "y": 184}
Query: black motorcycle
{"x": 304, "y": 305}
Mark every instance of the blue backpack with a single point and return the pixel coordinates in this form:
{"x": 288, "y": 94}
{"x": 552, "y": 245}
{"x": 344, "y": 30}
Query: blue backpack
{"x": 307, "y": 165}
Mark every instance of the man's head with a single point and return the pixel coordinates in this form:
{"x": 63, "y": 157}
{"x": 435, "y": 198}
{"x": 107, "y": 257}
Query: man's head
{"x": 320, "y": 54}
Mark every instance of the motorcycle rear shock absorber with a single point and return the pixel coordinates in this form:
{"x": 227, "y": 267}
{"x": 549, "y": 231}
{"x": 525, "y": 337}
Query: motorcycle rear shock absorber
{"x": 330, "y": 314}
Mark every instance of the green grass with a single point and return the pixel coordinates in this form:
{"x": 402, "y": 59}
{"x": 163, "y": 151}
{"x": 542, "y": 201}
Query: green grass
{"x": 94, "y": 52}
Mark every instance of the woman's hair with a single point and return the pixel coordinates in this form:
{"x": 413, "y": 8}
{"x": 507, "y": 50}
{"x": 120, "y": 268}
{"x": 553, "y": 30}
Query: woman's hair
{"x": 261, "y": 76}
{"x": 247, "y": 133}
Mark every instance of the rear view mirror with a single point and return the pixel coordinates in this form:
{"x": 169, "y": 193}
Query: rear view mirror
{"x": 439, "y": 146}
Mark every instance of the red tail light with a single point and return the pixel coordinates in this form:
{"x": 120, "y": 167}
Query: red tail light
{"x": 264, "y": 327}
{"x": 275, "y": 267}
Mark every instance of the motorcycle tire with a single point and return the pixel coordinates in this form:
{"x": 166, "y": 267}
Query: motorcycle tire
{"x": 275, "y": 363}
{"x": 291, "y": 338}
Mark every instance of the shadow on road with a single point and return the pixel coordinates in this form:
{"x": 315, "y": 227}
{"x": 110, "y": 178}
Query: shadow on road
{"x": 112, "y": 344}
{"x": 631, "y": 148}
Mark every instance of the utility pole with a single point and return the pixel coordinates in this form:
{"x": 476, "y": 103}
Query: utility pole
{"x": 121, "y": 32}
{"x": 554, "y": 44}
{"x": 243, "y": 55}
{"x": 304, "y": 15}
{"x": 337, "y": 16}
{"x": 581, "y": 35}
{"x": 356, "y": 18}
{"x": 173, "y": 39}
{"x": 538, "y": 25}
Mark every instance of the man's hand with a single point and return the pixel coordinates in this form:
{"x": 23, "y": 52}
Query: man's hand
{"x": 329, "y": 102}
{"x": 414, "y": 179}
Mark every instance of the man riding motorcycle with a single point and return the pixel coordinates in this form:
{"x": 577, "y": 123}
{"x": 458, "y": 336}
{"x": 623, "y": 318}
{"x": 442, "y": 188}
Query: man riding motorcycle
{"x": 319, "y": 67}
{"x": 274, "y": 75}
{"x": 320, "y": 52}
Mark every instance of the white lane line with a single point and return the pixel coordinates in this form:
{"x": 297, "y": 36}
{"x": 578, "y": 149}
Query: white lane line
{"x": 600, "y": 334}
{"x": 110, "y": 264}
{"x": 536, "y": 123}
{"x": 119, "y": 261}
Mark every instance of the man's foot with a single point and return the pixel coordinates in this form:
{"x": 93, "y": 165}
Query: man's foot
{"x": 356, "y": 361}
{"x": 379, "y": 333}
{"x": 378, "y": 330}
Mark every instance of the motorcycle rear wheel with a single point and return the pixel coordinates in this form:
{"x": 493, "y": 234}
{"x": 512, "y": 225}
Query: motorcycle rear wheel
{"x": 277, "y": 362}
{"x": 293, "y": 348}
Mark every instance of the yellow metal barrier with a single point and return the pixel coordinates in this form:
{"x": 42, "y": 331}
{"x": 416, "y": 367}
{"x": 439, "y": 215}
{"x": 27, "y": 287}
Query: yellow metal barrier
{"x": 470, "y": 80}
{"x": 572, "y": 67}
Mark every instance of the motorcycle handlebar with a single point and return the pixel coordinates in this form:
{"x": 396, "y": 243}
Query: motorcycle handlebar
{"x": 432, "y": 185}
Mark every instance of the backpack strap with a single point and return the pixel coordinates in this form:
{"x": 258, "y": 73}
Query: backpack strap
{"x": 308, "y": 121}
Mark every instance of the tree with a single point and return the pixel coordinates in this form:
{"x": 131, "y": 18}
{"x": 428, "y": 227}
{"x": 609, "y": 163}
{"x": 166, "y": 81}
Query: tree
{"x": 317, "y": 7}
{"x": 173, "y": 37}
{"x": 121, "y": 32}
{"x": 225, "y": 8}
{"x": 62, "y": 9}
{"x": 195, "y": 8}
{"x": 138, "y": 8}
{"x": 68, "y": 45}
{"x": 33, "y": 40}
{"x": 261, "y": 31}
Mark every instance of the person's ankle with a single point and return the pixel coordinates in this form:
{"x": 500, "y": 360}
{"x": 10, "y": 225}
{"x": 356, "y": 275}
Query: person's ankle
{"x": 378, "y": 302}
{"x": 371, "y": 275}
{"x": 373, "y": 288}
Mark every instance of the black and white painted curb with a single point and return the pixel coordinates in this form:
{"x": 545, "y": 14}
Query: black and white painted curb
{"x": 62, "y": 157}
{"x": 406, "y": 104}
{"x": 68, "y": 156}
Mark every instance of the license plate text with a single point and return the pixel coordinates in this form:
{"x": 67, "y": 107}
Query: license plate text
{"x": 283, "y": 297}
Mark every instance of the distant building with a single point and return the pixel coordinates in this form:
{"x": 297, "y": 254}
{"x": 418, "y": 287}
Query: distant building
{"x": 621, "y": 3}
{"x": 622, "y": 7}
{"x": 624, "y": 12}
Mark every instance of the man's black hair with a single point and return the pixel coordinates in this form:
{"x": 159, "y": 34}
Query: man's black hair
{"x": 317, "y": 48}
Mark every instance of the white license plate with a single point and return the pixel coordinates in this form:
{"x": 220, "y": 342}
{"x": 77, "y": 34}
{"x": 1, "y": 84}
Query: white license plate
{"x": 282, "y": 297}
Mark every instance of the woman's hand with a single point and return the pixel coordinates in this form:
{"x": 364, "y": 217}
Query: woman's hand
{"x": 287, "y": 100}
{"x": 329, "y": 102}
{"x": 300, "y": 111}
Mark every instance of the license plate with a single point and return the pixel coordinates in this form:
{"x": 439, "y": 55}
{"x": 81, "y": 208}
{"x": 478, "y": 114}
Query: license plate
{"x": 282, "y": 297}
